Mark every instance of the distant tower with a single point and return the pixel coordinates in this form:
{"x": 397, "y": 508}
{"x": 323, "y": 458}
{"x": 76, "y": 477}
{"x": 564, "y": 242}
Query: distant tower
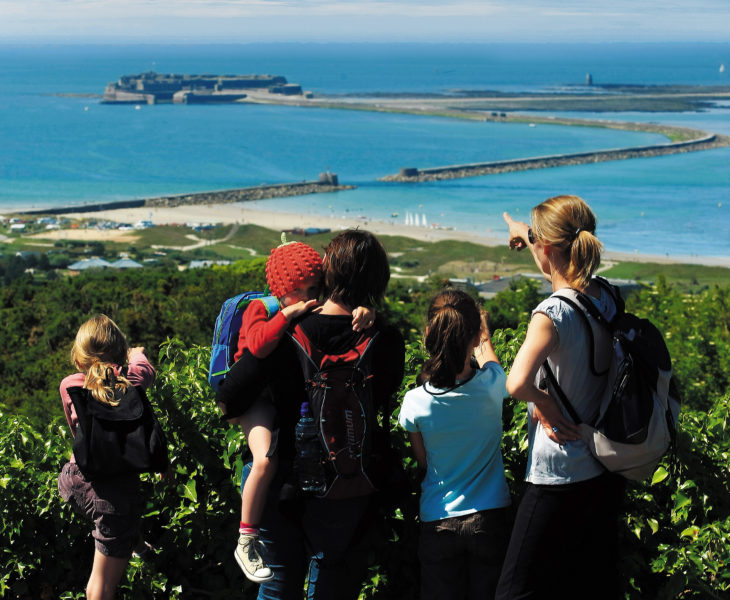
{"x": 589, "y": 79}
{"x": 328, "y": 178}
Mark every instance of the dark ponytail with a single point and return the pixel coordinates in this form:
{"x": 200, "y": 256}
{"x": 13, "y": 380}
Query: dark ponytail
{"x": 453, "y": 323}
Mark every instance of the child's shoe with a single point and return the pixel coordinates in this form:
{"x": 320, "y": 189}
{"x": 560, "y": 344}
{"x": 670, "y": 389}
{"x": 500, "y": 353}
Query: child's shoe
{"x": 249, "y": 558}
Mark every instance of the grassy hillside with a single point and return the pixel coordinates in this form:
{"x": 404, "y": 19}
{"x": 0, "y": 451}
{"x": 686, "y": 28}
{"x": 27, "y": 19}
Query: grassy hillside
{"x": 409, "y": 257}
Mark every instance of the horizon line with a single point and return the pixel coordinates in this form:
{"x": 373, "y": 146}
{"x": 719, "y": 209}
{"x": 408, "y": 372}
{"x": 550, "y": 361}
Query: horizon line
{"x": 180, "y": 42}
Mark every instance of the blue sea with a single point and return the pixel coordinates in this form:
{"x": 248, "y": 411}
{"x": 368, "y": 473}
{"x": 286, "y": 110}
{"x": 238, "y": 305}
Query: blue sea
{"x": 59, "y": 146}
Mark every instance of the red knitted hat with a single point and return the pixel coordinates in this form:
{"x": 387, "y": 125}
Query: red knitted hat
{"x": 289, "y": 265}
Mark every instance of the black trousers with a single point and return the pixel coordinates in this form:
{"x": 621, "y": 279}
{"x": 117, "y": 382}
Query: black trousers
{"x": 564, "y": 542}
{"x": 461, "y": 557}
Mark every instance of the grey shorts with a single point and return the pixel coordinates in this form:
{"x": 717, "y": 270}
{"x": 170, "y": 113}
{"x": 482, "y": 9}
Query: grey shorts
{"x": 114, "y": 506}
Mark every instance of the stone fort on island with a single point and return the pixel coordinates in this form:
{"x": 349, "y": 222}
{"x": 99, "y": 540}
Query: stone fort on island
{"x": 156, "y": 88}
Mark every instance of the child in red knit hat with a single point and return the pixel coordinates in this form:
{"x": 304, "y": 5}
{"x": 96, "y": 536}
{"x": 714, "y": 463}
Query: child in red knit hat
{"x": 294, "y": 274}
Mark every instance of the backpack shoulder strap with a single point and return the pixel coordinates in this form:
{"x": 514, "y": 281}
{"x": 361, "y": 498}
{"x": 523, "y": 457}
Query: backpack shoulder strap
{"x": 271, "y": 303}
{"x": 305, "y": 351}
{"x": 614, "y": 291}
{"x": 79, "y": 399}
{"x": 582, "y": 306}
{"x": 586, "y": 306}
{"x": 561, "y": 394}
{"x": 369, "y": 342}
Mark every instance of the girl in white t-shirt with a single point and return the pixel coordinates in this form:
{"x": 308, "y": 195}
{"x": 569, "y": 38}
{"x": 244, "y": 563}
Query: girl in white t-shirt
{"x": 454, "y": 421}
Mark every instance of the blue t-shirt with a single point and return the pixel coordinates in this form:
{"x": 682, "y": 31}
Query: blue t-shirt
{"x": 462, "y": 433}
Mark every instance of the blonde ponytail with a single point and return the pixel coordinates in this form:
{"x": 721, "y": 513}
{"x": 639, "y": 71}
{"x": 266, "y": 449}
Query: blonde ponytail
{"x": 585, "y": 257}
{"x": 568, "y": 224}
{"x": 100, "y": 347}
{"x": 103, "y": 383}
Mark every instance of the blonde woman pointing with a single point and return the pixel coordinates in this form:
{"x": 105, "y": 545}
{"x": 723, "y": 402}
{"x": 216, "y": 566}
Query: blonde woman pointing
{"x": 564, "y": 541}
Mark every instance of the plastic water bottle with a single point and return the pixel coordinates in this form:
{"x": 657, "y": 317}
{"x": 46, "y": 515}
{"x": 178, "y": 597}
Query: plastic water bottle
{"x": 309, "y": 454}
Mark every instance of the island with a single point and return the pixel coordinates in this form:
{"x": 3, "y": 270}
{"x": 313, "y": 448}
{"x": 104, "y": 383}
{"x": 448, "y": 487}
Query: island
{"x": 157, "y": 88}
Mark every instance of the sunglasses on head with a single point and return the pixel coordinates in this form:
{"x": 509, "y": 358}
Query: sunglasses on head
{"x": 530, "y": 235}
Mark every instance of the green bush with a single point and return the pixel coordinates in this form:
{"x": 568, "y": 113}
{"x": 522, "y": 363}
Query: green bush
{"x": 675, "y": 529}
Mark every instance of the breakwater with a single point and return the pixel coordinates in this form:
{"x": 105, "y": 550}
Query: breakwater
{"x": 259, "y": 192}
{"x": 413, "y": 174}
{"x": 328, "y": 182}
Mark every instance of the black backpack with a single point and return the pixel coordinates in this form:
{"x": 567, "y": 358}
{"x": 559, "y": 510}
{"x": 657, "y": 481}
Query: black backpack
{"x": 117, "y": 440}
{"x": 636, "y": 422}
{"x": 340, "y": 396}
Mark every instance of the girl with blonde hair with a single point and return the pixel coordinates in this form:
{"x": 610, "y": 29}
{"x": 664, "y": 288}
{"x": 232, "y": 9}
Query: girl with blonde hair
{"x": 114, "y": 505}
{"x": 564, "y": 541}
{"x": 454, "y": 423}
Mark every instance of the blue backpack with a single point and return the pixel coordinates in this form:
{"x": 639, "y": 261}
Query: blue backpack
{"x": 227, "y": 327}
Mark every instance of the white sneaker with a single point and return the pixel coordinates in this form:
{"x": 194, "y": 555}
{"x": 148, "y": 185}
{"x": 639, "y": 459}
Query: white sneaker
{"x": 249, "y": 558}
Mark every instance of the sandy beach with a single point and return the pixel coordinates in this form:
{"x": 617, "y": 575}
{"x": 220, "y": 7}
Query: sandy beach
{"x": 245, "y": 213}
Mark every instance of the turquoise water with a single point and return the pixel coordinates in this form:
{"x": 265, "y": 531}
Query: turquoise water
{"x": 57, "y": 150}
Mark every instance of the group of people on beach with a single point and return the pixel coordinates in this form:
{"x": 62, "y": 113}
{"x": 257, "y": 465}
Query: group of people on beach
{"x": 561, "y": 539}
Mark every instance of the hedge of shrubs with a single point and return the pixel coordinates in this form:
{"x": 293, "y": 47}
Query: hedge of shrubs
{"x": 675, "y": 531}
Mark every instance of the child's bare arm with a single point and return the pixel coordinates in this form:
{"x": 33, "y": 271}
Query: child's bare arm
{"x": 484, "y": 352}
{"x": 261, "y": 333}
{"x": 293, "y": 311}
{"x": 363, "y": 317}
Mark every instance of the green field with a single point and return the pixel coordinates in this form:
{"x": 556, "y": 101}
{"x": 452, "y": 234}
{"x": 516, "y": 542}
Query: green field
{"x": 408, "y": 257}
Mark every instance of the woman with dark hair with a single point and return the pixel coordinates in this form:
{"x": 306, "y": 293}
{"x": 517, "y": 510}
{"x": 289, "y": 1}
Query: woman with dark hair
{"x": 564, "y": 542}
{"x": 306, "y": 537}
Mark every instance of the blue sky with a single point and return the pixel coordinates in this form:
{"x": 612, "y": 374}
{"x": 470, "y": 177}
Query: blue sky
{"x": 242, "y": 21}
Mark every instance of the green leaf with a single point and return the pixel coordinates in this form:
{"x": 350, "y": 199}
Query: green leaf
{"x": 691, "y": 531}
{"x": 653, "y": 524}
{"x": 681, "y": 500}
{"x": 688, "y": 485}
{"x": 189, "y": 491}
{"x": 659, "y": 475}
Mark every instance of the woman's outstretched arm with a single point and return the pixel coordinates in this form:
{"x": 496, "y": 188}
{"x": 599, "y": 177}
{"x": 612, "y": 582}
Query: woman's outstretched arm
{"x": 519, "y": 239}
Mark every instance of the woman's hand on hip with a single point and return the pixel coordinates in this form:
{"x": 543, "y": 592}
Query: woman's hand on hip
{"x": 559, "y": 428}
